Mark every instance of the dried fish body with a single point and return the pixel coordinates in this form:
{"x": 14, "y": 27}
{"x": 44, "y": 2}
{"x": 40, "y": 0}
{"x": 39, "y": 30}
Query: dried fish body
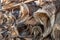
{"x": 41, "y": 17}
{"x": 50, "y": 14}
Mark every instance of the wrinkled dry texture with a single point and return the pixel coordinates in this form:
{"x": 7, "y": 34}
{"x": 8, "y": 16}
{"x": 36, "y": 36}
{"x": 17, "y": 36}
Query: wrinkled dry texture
{"x": 34, "y": 20}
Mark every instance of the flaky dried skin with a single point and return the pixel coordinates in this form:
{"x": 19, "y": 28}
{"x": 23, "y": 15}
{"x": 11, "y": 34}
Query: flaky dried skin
{"x": 35, "y": 19}
{"x": 52, "y": 18}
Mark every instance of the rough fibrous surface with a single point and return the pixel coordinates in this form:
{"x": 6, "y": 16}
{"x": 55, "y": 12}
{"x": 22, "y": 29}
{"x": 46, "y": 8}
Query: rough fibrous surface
{"x": 30, "y": 20}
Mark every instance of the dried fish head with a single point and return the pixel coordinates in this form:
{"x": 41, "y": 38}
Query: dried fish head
{"x": 41, "y": 16}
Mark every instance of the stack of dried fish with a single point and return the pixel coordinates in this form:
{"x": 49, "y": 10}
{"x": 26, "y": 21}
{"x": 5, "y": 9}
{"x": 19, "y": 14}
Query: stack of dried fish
{"x": 29, "y": 20}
